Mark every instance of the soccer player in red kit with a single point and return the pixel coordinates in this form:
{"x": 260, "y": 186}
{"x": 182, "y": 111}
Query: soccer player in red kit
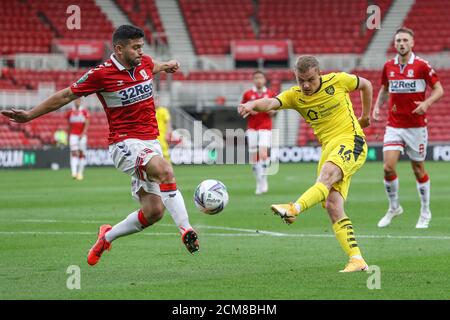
{"x": 78, "y": 118}
{"x": 404, "y": 82}
{"x": 259, "y": 132}
{"x": 124, "y": 86}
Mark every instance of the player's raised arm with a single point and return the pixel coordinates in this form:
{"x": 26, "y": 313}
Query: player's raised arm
{"x": 260, "y": 105}
{"x": 436, "y": 93}
{"x": 365, "y": 86}
{"x": 54, "y": 102}
{"x": 383, "y": 96}
{"x": 169, "y": 66}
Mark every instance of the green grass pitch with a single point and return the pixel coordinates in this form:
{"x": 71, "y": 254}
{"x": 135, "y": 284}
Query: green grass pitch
{"x": 48, "y": 222}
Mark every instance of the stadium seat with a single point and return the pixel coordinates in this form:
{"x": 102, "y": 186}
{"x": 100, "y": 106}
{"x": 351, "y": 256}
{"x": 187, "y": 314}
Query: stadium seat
{"x": 429, "y": 20}
{"x": 144, "y": 14}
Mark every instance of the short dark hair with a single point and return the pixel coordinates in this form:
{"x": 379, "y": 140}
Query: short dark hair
{"x": 126, "y": 32}
{"x": 304, "y": 63}
{"x": 405, "y": 30}
{"x": 259, "y": 72}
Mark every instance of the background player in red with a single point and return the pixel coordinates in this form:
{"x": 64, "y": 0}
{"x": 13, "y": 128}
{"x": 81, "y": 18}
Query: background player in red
{"x": 78, "y": 118}
{"x": 404, "y": 82}
{"x": 124, "y": 86}
{"x": 259, "y": 132}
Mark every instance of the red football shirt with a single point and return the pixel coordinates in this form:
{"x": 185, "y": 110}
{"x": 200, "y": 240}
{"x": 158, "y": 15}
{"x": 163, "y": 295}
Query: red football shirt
{"x": 77, "y": 120}
{"x": 261, "y": 120}
{"x": 406, "y": 84}
{"x": 126, "y": 96}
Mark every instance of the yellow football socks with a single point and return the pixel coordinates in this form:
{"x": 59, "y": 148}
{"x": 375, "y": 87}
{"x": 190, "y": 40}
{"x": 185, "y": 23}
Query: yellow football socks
{"x": 346, "y": 237}
{"x": 317, "y": 193}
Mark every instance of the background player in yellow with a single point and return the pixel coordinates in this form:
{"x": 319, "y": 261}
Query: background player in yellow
{"x": 324, "y": 102}
{"x": 165, "y": 129}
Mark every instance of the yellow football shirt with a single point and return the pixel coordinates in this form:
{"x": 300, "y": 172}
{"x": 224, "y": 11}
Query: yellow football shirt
{"x": 163, "y": 117}
{"x": 329, "y": 110}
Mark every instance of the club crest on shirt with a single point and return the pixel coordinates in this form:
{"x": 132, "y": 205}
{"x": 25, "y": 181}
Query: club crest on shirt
{"x": 329, "y": 90}
{"x": 144, "y": 74}
{"x": 410, "y": 73}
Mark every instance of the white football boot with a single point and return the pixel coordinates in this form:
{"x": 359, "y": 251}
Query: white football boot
{"x": 390, "y": 214}
{"x": 424, "y": 220}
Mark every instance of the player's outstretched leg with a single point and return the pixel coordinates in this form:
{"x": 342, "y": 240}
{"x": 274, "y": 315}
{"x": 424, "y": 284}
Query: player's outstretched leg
{"x": 160, "y": 170}
{"x": 151, "y": 212}
{"x": 134, "y": 222}
{"x": 289, "y": 212}
{"x": 329, "y": 174}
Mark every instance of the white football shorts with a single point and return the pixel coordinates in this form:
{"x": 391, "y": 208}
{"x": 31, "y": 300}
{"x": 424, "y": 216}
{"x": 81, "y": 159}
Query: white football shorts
{"x": 258, "y": 138}
{"x": 130, "y": 156}
{"x": 78, "y": 143}
{"x": 412, "y": 140}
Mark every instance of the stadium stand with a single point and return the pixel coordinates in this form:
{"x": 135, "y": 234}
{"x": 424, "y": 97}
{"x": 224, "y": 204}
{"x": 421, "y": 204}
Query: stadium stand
{"x": 212, "y": 27}
{"x": 31, "y": 78}
{"x": 280, "y": 20}
{"x": 95, "y": 26}
{"x": 21, "y": 31}
{"x": 144, "y": 14}
{"x": 213, "y": 24}
{"x": 431, "y": 35}
{"x": 40, "y": 132}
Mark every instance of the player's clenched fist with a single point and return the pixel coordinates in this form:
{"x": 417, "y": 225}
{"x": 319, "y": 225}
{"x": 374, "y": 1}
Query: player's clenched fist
{"x": 172, "y": 66}
{"x": 364, "y": 122}
{"x": 245, "y": 110}
{"x": 15, "y": 115}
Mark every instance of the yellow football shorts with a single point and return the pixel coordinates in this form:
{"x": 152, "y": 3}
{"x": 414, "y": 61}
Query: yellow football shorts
{"x": 347, "y": 152}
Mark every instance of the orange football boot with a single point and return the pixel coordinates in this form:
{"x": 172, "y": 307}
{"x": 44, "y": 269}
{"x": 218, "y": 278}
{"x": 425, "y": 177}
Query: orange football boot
{"x": 101, "y": 245}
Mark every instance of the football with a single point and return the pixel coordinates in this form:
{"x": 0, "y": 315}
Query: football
{"x": 211, "y": 196}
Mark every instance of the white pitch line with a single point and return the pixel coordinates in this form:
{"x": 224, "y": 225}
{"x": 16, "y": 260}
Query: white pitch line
{"x": 254, "y": 234}
{"x": 247, "y": 232}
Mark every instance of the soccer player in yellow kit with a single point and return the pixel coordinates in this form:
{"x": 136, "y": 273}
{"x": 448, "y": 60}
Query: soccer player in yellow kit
{"x": 324, "y": 102}
{"x": 165, "y": 129}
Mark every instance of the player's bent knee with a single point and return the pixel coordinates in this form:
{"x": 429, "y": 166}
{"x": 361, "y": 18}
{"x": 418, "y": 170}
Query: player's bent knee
{"x": 166, "y": 174}
{"x": 389, "y": 170}
{"x": 160, "y": 170}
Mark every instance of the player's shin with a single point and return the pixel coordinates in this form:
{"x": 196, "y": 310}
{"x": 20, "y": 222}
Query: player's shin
{"x": 74, "y": 162}
{"x": 423, "y": 188}
{"x": 81, "y": 165}
{"x": 346, "y": 237}
{"x": 391, "y": 187}
{"x": 317, "y": 193}
{"x": 134, "y": 222}
{"x": 174, "y": 203}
